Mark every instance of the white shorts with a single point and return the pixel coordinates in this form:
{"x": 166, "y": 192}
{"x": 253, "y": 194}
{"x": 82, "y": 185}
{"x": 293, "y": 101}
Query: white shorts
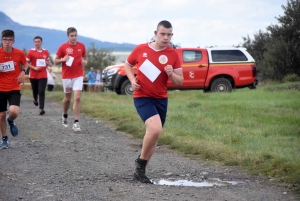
{"x": 72, "y": 84}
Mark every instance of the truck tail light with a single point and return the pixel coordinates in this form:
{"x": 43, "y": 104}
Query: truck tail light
{"x": 253, "y": 71}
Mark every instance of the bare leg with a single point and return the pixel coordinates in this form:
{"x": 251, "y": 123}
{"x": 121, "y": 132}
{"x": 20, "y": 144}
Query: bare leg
{"x": 153, "y": 131}
{"x": 3, "y": 123}
{"x": 66, "y": 102}
{"x": 13, "y": 112}
{"x": 76, "y": 105}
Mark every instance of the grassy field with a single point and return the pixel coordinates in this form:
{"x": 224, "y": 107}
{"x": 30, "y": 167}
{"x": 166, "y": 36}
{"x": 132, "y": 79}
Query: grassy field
{"x": 257, "y": 130}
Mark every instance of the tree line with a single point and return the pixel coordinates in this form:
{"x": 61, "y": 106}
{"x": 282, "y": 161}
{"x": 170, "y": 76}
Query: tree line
{"x": 99, "y": 58}
{"x": 277, "y": 50}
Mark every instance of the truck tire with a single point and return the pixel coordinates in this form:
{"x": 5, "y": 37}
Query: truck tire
{"x": 221, "y": 85}
{"x": 118, "y": 91}
{"x": 126, "y": 88}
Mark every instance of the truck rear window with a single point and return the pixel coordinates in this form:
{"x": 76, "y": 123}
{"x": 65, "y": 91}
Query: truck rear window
{"x": 228, "y": 55}
{"x": 192, "y": 56}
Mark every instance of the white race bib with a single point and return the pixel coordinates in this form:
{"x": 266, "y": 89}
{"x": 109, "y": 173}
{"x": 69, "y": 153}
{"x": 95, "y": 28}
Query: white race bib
{"x": 70, "y": 61}
{"x": 149, "y": 70}
{"x": 41, "y": 62}
{"x": 7, "y": 66}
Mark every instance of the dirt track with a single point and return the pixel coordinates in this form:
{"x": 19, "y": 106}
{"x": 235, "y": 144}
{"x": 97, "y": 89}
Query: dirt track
{"x": 49, "y": 162}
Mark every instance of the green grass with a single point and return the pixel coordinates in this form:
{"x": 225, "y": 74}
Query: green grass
{"x": 257, "y": 130}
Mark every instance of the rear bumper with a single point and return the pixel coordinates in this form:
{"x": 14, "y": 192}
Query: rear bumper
{"x": 254, "y": 84}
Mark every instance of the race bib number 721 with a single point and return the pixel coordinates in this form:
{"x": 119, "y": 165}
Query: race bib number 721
{"x": 7, "y": 66}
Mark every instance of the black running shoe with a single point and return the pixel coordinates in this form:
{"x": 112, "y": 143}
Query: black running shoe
{"x": 141, "y": 177}
{"x": 140, "y": 171}
{"x": 42, "y": 112}
{"x": 35, "y": 103}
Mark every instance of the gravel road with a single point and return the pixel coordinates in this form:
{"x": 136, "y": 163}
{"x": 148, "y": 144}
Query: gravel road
{"x": 49, "y": 162}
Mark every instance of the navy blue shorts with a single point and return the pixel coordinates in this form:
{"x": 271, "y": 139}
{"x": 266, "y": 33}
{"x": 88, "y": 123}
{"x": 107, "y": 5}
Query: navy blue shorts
{"x": 147, "y": 107}
{"x": 12, "y": 97}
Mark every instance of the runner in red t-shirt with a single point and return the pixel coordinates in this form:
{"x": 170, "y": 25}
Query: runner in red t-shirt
{"x": 11, "y": 76}
{"x": 156, "y": 62}
{"x": 38, "y": 60}
{"x": 72, "y": 56}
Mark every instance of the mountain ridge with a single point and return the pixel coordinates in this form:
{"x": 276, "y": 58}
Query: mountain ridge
{"x": 52, "y": 38}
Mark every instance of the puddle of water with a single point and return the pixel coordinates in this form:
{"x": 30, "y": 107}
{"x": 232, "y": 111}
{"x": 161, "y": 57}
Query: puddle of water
{"x": 206, "y": 183}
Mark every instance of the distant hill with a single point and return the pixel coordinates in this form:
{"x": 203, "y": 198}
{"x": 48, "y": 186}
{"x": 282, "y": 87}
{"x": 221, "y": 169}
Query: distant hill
{"x": 51, "y": 38}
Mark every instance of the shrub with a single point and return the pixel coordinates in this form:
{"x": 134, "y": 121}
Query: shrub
{"x": 291, "y": 78}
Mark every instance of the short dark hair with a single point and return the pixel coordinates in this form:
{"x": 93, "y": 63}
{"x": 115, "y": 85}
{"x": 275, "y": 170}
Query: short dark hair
{"x": 165, "y": 24}
{"x": 70, "y": 30}
{"x": 38, "y": 37}
{"x": 8, "y": 33}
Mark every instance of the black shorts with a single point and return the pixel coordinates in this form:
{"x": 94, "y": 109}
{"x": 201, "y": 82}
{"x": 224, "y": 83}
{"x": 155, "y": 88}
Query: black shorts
{"x": 147, "y": 107}
{"x": 12, "y": 97}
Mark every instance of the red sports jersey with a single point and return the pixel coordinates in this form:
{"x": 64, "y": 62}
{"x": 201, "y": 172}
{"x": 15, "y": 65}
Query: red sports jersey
{"x": 76, "y": 51}
{"x": 151, "y": 74}
{"x": 38, "y": 58}
{"x": 10, "y": 69}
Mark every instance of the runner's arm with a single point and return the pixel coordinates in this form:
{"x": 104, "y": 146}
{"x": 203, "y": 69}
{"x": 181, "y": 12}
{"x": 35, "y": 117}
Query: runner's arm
{"x": 130, "y": 74}
{"x": 84, "y": 60}
{"x": 177, "y": 77}
{"x": 25, "y": 67}
{"x": 21, "y": 77}
{"x": 60, "y": 60}
{"x": 32, "y": 66}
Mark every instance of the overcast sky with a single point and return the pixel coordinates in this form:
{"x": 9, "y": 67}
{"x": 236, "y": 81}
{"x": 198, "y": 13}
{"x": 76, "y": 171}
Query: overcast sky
{"x": 195, "y": 22}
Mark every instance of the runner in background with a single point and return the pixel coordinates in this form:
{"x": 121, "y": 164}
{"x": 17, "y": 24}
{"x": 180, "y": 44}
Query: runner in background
{"x": 72, "y": 56}
{"x": 92, "y": 79}
{"x": 51, "y": 77}
{"x": 98, "y": 82}
{"x": 38, "y": 61}
{"x": 11, "y": 76}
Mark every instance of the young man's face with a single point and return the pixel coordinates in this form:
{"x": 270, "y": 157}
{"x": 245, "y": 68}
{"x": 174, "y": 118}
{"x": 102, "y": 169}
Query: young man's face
{"x": 8, "y": 42}
{"x": 72, "y": 37}
{"x": 163, "y": 36}
{"x": 37, "y": 43}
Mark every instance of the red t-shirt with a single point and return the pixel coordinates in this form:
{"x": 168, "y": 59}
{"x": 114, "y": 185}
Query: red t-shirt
{"x": 76, "y": 51}
{"x": 151, "y": 74}
{"x": 38, "y": 58}
{"x": 10, "y": 69}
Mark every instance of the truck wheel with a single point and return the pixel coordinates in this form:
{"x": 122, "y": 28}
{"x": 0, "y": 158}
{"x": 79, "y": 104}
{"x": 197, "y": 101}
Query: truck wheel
{"x": 221, "y": 85}
{"x": 118, "y": 91}
{"x": 126, "y": 88}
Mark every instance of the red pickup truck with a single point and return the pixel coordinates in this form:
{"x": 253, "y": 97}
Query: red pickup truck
{"x": 210, "y": 69}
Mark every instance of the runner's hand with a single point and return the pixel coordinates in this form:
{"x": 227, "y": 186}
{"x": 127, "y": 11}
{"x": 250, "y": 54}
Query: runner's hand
{"x": 21, "y": 77}
{"x": 83, "y": 62}
{"x": 66, "y": 58}
{"x": 134, "y": 84}
{"x": 169, "y": 70}
{"x": 37, "y": 68}
{"x": 48, "y": 62}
